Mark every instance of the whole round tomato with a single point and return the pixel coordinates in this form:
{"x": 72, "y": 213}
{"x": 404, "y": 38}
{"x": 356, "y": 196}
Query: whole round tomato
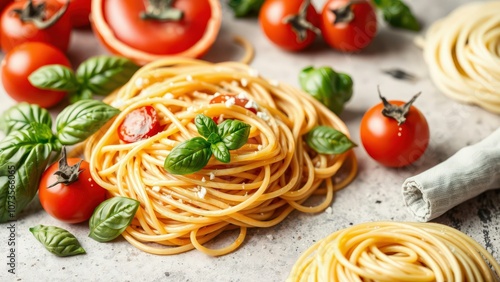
{"x": 66, "y": 199}
{"x": 20, "y": 62}
{"x": 184, "y": 28}
{"x": 44, "y": 21}
{"x": 79, "y": 11}
{"x": 139, "y": 124}
{"x": 394, "y": 142}
{"x": 292, "y": 25}
{"x": 348, "y": 26}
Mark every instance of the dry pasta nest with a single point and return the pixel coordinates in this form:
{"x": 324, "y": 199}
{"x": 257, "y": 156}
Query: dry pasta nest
{"x": 396, "y": 251}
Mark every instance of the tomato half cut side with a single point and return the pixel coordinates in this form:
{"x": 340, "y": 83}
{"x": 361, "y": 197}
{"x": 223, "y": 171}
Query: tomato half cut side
{"x": 139, "y": 124}
{"x": 125, "y": 29}
{"x": 233, "y": 99}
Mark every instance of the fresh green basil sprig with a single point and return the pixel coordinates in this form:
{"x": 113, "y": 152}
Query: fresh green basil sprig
{"x": 333, "y": 89}
{"x": 57, "y": 240}
{"x": 244, "y": 8}
{"x": 98, "y": 75}
{"x": 192, "y": 155}
{"x": 327, "y": 140}
{"x": 397, "y": 14}
{"x": 26, "y": 150}
{"x": 111, "y": 218}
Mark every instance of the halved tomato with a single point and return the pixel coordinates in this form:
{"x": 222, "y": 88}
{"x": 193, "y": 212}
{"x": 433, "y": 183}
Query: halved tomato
{"x": 145, "y": 31}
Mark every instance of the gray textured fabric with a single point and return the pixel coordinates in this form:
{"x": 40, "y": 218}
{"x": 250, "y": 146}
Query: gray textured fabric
{"x": 468, "y": 173}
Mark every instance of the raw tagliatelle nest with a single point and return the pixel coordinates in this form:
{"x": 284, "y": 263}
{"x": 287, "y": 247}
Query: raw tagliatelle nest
{"x": 266, "y": 179}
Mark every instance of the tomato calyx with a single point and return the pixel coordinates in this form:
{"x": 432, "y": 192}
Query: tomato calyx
{"x": 66, "y": 174}
{"x": 161, "y": 10}
{"x": 35, "y": 13}
{"x": 299, "y": 23}
{"x": 345, "y": 13}
{"x": 397, "y": 112}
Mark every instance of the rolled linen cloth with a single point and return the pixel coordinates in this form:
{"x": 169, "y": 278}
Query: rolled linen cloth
{"x": 469, "y": 172}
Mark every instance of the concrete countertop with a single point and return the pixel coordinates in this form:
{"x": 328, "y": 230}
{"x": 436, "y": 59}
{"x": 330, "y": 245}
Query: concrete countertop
{"x": 269, "y": 254}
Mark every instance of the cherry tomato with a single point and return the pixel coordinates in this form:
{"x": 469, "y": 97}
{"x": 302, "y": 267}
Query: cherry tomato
{"x": 242, "y": 102}
{"x": 348, "y": 26}
{"x": 20, "y": 62}
{"x": 139, "y": 124}
{"x": 68, "y": 201}
{"x": 188, "y": 30}
{"x": 276, "y": 18}
{"x": 79, "y": 10}
{"x": 392, "y": 143}
{"x": 49, "y": 26}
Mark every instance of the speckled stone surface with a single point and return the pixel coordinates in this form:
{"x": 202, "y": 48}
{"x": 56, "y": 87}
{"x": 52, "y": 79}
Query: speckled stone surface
{"x": 269, "y": 254}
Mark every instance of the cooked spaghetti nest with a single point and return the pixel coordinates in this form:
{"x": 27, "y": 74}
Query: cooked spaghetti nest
{"x": 268, "y": 178}
{"x": 396, "y": 251}
{"x": 462, "y": 52}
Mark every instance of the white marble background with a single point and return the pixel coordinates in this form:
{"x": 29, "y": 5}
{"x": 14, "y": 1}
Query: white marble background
{"x": 269, "y": 254}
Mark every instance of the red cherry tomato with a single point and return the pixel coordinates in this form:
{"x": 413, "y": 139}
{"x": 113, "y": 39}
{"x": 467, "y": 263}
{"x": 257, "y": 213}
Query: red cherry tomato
{"x": 275, "y": 18}
{"x": 20, "y": 62}
{"x": 17, "y": 30}
{"x": 125, "y": 28}
{"x": 79, "y": 10}
{"x": 139, "y": 124}
{"x": 348, "y": 27}
{"x": 74, "y": 202}
{"x": 390, "y": 143}
{"x": 242, "y": 102}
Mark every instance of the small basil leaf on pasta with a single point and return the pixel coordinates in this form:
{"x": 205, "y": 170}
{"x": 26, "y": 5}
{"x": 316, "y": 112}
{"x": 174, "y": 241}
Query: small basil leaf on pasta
{"x": 188, "y": 157}
{"x": 57, "y": 240}
{"x": 214, "y": 138}
{"x": 22, "y": 116}
{"x": 221, "y": 152}
{"x": 82, "y": 119}
{"x": 234, "y": 133}
{"x": 205, "y": 125}
{"x": 103, "y": 74}
{"x": 327, "y": 140}
{"x": 54, "y": 77}
{"x": 111, "y": 218}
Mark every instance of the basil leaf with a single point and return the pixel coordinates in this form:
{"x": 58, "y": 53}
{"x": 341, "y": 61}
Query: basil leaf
{"x": 398, "y": 14}
{"x": 54, "y": 77}
{"x": 214, "y": 138}
{"x": 205, "y": 125}
{"x": 188, "y": 157}
{"x": 24, "y": 154}
{"x": 103, "y": 74}
{"x": 234, "y": 133}
{"x": 332, "y": 89}
{"x": 327, "y": 140}
{"x": 80, "y": 120}
{"x": 111, "y": 218}
{"x": 82, "y": 94}
{"x": 221, "y": 152}
{"x": 22, "y": 116}
{"x": 243, "y": 8}
{"x": 57, "y": 240}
